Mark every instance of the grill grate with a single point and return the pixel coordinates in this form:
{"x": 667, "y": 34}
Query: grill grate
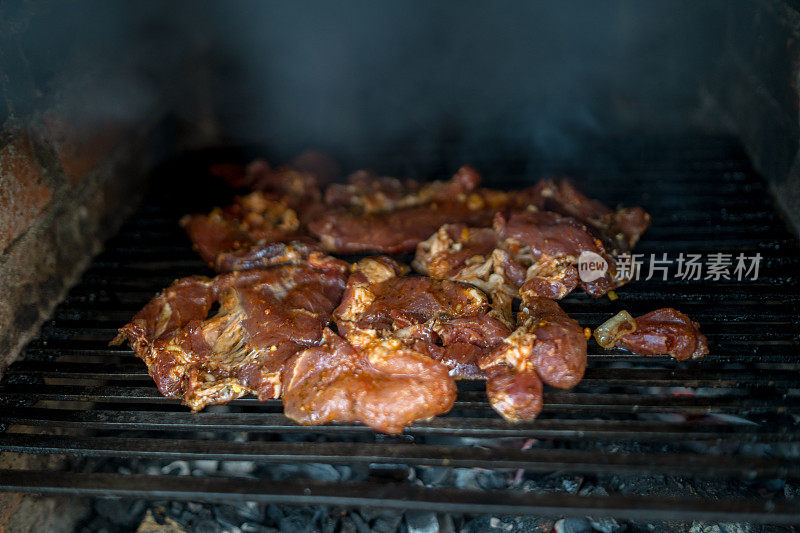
{"x": 731, "y": 416}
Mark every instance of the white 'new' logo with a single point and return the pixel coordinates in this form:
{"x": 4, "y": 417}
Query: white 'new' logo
{"x": 591, "y": 266}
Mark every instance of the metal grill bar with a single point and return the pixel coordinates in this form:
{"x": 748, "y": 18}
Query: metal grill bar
{"x": 392, "y": 496}
{"x": 73, "y": 395}
{"x": 412, "y": 454}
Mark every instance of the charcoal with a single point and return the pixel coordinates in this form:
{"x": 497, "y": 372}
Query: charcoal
{"x": 297, "y": 519}
{"x": 206, "y": 466}
{"x": 206, "y": 526}
{"x": 249, "y": 512}
{"x": 791, "y": 491}
{"x": 237, "y": 468}
{"x": 421, "y": 522}
{"x": 606, "y": 525}
{"x": 593, "y": 490}
{"x": 736, "y": 527}
{"x": 446, "y": 524}
{"x": 572, "y": 484}
{"x": 702, "y": 527}
{"x": 177, "y": 468}
{"x": 360, "y": 523}
{"x": 773, "y": 485}
{"x": 347, "y": 525}
{"x": 199, "y": 515}
{"x": 500, "y": 524}
{"x": 175, "y": 508}
{"x": 315, "y": 471}
{"x": 329, "y": 523}
{"x": 433, "y": 476}
{"x": 466, "y": 478}
{"x": 250, "y": 527}
{"x": 479, "y": 524}
{"x": 274, "y": 514}
{"x": 572, "y": 525}
{"x": 227, "y": 516}
{"x": 96, "y": 525}
{"x": 370, "y": 513}
{"x": 387, "y": 522}
{"x": 127, "y": 513}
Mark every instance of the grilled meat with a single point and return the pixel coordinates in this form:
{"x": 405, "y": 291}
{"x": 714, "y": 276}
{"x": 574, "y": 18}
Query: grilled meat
{"x": 366, "y": 192}
{"x": 244, "y": 233}
{"x": 516, "y": 396}
{"x": 265, "y": 254}
{"x": 547, "y": 345}
{"x": 265, "y": 317}
{"x": 531, "y": 254}
{"x": 552, "y": 243}
{"x": 450, "y": 322}
{"x": 620, "y": 229}
{"x": 442, "y": 319}
{"x": 664, "y": 331}
{"x": 382, "y": 384}
{"x": 392, "y": 217}
{"x": 301, "y": 179}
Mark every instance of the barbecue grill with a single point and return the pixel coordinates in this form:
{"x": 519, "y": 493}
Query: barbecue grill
{"x": 723, "y": 427}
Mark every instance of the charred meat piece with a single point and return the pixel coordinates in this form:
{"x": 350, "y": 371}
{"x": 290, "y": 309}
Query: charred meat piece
{"x": 391, "y": 232}
{"x": 552, "y": 244}
{"x": 300, "y": 179}
{"x": 397, "y": 222}
{"x": 297, "y": 186}
{"x": 319, "y": 164}
{"x": 516, "y": 396}
{"x": 620, "y": 229}
{"x": 473, "y": 255}
{"x": 366, "y": 192}
{"x": 445, "y": 320}
{"x": 383, "y": 384}
{"x": 265, "y": 317}
{"x": 245, "y": 232}
{"x": 532, "y": 254}
{"x": 547, "y": 346}
{"x": 664, "y": 331}
{"x": 546, "y": 340}
{"x": 266, "y": 255}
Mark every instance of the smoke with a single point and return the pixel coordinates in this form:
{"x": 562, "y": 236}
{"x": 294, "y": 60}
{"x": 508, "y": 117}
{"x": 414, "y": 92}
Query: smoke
{"x": 359, "y": 76}
{"x": 92, "y": 61}
{"x": 362, "y": 78}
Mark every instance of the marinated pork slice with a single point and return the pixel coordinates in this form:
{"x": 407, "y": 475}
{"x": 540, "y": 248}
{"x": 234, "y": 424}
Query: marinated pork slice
{"x": 529, "y": 255}
{"x": 547, "y": 346}
{"x": 549, "y": 245}
{"x": 266, "y": 254}
{"x": 445, "y": 320}
{"x": 245, "y": 234}
{"x": 396, "y": 224}
{"x": 265, "y": 317}
{"x": 300, "y": 179}
{"x": 384, "y": 385}
{"x": 664, "y": 331}
{"x": 365, "y": 192}
{"x": 620, "y": 229}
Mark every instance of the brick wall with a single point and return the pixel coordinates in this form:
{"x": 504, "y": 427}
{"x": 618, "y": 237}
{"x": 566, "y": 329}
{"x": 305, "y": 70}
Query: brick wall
{"x": 63, "y": 190}
{"x": 84, "y": 90}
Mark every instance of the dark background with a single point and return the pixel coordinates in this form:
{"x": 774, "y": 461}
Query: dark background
{"x": 371, "y": 78}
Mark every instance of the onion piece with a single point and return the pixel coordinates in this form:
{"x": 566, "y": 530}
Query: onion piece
{"x": 608, "y": 333}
